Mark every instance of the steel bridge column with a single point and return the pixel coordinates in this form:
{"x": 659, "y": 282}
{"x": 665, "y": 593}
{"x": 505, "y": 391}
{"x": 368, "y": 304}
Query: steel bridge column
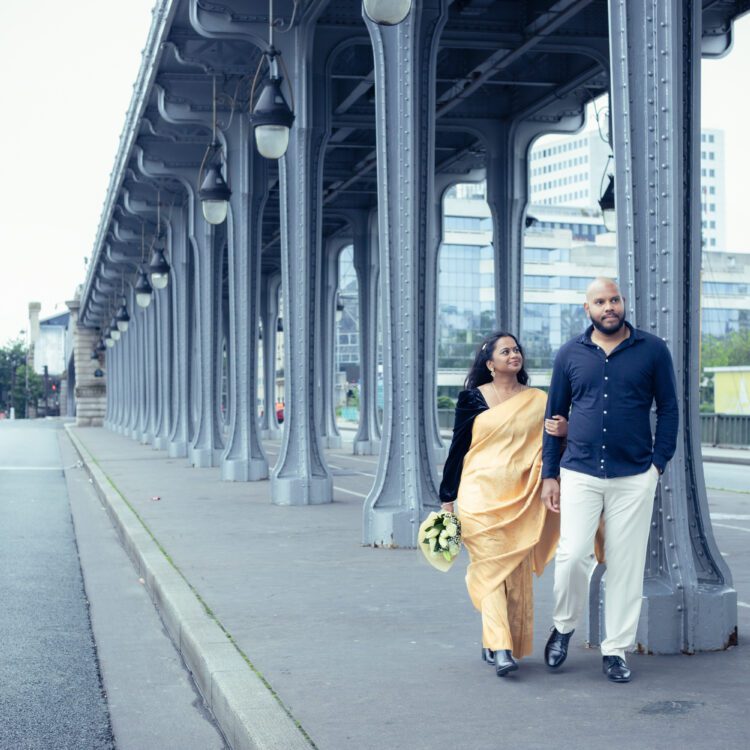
{"x": 206, "y": 442}
{"x": 301, "y": 476}
{"x": 269, "y": 301}
{"x": 330, "y": 436}
{"x": 365, "y": 254}
{"x": 690, "y": 604}
{"x": 244, "y": 459}
{"x": 405, "y": 62}
{"x": 179, "y": 351}
{"x": 163, "y": 363}
{"x": 152, "y": 375}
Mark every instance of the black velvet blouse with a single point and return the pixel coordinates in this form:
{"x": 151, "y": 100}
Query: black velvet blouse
{"x": 470, "y": 404}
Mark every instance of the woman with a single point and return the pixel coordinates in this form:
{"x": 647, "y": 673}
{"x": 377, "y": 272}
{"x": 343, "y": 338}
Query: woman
{"x": 493, "y": 470}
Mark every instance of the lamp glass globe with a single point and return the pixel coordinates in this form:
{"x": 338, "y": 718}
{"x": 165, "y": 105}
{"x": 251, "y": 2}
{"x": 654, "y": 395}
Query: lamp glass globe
{"x": 214, "y": 212}
{"x": 115, "y": 334}
{"x": 387, "y": 12}
{"x": 143, "y": 299}
{"x": 159, "y": 280}
{"x": 122, "y": 325}
{"x": 272, "y": 140}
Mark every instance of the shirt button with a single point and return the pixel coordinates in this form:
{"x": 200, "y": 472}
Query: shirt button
{"x": 605, "y": 411}
{"x": 604, "y": 447}
{"x": 605, "y": 429}
{"x": 605, "y": 396}
{"x": 606, "y": 377}
{"x": 606, "y": 360}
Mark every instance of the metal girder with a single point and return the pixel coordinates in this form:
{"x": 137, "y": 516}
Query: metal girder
{"x": 656, "y": 52}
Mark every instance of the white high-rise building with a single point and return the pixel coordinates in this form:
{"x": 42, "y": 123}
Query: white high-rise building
{"x": 712, "y": 190}
{"x": 570, "y": 170}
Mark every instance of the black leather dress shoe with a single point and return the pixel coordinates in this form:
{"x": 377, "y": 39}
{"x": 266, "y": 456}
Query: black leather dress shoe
{"x": 488, "y": 655}
{"x": 504, "y": 663}
{"x": 556, "y": 650}
{"x": 615, "y": 668}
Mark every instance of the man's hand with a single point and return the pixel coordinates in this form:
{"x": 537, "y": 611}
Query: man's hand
{"x": 447, "y": 507}
{"x": 556, "y": 426}
{"x": 551, "y": 494}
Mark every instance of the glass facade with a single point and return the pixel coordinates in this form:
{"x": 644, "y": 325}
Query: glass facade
{"x": 546, "y": 327}
{"x": 466, "y": 302}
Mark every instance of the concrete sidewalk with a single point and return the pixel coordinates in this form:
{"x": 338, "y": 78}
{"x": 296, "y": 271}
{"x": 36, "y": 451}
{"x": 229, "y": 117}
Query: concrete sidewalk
{"x": 300, "y": 637}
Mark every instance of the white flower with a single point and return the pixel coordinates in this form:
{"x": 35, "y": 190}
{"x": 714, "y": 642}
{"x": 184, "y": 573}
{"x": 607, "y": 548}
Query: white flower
{"x": 451, "y": 528}
{"x": 453, "y": 549}
{"x": 432, "y": 533}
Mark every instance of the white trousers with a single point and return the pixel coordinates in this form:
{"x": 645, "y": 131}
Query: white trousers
{"x": 627, "y": 504}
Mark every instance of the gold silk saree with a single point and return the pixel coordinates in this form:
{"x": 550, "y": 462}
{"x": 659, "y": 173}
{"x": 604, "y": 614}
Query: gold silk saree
{"x": 505, "y": 526}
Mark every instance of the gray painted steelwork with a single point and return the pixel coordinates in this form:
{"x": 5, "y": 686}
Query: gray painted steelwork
{"x": 386, "y": 120}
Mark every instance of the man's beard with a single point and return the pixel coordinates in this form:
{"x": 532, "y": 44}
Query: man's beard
{"x": 608, "y": 331}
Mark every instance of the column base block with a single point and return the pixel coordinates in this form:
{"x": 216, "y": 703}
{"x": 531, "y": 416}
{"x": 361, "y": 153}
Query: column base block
{"x": 177, "y": 449}
{"x": 201, "y": 458}
{"x": 301, "y": 490}
{"x": 244, "y": 470}
{"x": 366, "y": 447}
{"x": 161, "y": 442}
{"x": 661, "y": 627}
{"x": 331, "y": 441}
{"x": 395, "y": 527}
{"x": 271, "y": 434}
{"x": 145, "y": 438}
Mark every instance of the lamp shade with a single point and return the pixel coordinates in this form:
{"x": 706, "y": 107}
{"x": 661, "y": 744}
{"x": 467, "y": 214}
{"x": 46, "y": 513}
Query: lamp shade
{"x": 143, "y": 290}
{"x": 109, "y": 341}
{"x": 607, "y": 205}
{"x": 271, "y": 120}
{"x": 158, "y": 269}
{"x": 214, "y": 194}
{"x": 387, "y": 12}
{"x": 122, "y": 317}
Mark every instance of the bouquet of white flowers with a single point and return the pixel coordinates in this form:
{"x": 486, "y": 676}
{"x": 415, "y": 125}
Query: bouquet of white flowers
{"x": 440, "y": 539}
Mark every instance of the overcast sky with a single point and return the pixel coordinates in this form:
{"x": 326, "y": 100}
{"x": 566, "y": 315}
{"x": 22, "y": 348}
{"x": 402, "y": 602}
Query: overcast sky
{"x": 67, "y": 71}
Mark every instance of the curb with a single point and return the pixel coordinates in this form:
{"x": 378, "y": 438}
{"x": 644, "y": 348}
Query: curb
{"x": 246, "y": 709}
{"x": 718, "y": 459}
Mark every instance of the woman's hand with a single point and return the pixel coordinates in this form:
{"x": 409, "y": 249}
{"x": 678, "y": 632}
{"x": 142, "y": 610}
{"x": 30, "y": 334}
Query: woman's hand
{"x": 557, "y": 426}
{"x": 447, "y": 507}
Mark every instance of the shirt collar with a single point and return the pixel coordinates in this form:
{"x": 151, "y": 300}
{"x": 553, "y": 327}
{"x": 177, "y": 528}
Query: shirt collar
{"x": 635, "y": 335}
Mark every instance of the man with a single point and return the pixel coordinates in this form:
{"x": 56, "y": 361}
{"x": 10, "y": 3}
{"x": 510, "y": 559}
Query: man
{"x": 610, "y": 376}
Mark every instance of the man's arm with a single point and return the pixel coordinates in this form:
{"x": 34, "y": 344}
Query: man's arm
{"x": 667, "y": 410}
{"x": 558, "y": 402}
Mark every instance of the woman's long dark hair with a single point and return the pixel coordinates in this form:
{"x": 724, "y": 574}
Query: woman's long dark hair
{"x": 480, "y": 373}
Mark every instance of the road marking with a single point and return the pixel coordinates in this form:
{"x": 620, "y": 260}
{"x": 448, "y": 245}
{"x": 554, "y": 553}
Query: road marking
{"x": 728, "y": 526}
{"x": 31, "y": 468}
{"x": 743, "y": 604}
{"x": 730, "y": 516}
{"x": 351, "y": 471}
{"x": 349, "y": 492}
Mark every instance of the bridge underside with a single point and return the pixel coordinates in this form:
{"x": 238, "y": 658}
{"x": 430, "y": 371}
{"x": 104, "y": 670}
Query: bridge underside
{"x": 386, "y": 120}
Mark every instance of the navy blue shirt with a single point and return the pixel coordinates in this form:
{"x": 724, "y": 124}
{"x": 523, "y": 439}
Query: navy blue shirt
{"x": 609, "y": 430}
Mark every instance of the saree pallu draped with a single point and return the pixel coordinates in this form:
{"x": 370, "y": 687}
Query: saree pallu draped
{"x": 505, "y": 526}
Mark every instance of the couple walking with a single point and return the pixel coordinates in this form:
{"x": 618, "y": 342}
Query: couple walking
{"x": 525, "y": 485}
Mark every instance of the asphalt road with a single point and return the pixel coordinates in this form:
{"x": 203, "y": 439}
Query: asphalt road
{"x": 51, "y": 694}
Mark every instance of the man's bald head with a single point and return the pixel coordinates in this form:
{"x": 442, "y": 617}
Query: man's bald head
{"x": 605, "y": 305}
{"x": 601, "y": 286}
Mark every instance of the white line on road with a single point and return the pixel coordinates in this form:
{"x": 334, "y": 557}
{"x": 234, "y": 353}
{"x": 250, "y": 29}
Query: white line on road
{"x": 351, "y": 471}
{"x": 728, "y": 526}
{"x": 349, "y": 492}
{"x": 730, "y": 516}
{"x": 31, "y": 468}
{"x": 743, "y": 604}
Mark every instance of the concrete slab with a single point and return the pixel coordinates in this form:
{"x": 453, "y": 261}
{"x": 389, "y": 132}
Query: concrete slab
{"x": 372, "y": 648}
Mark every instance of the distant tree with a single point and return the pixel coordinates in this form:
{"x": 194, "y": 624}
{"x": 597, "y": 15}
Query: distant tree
{"x": 731, "y": 350}
{"x": 27, "y": 390}
{"x": 12, "y": 356}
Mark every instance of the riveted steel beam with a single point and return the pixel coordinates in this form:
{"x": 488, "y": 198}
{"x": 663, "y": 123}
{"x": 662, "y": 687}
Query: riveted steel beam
{"x": 690, "y": 604}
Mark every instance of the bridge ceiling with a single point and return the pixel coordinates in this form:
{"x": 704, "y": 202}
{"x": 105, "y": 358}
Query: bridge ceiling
{"x": 499, "y": 61}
